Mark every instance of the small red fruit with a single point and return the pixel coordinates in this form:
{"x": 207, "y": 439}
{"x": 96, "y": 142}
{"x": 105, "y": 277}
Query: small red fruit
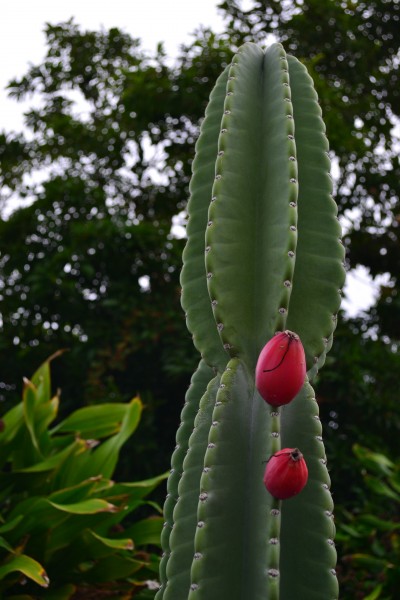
{"x": 281, "y": 368}
{"x": 286, "y": 473}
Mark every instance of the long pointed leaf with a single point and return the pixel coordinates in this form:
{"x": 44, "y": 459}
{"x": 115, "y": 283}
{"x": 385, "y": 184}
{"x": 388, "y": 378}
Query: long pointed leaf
{"x": 28, "y": 567}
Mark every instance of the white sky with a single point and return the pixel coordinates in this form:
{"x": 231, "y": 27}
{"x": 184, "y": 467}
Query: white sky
{"x": 169, "y": 21}
{"x": 22, "y": 37}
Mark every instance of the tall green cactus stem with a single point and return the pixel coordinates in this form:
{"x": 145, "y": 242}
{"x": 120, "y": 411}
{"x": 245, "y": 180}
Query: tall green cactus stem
{"x": 263, "y": 254}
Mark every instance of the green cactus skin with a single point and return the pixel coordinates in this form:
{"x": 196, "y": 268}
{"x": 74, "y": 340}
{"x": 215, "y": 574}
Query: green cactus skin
{"x": 196, "y": 389}
{"x": 307, "y": 552}
{"x": 185, "y": 512}
{"x": 263, "y": 254}
{"x": 195, "y": 299}
{"x": 227, "y": 540}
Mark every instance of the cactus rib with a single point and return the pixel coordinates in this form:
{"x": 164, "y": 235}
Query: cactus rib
{"x": 195, "y": 299}
{"x": 185, "y": 513}
{"x": 196, "y": 389}
{"x": 307, "y": 518}
{"x": 233, "y": 502}
{"x": 319, "y": 272}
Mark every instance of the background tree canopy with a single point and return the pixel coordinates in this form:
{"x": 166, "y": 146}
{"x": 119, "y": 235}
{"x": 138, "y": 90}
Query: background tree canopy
{"x": 90, "y": 262}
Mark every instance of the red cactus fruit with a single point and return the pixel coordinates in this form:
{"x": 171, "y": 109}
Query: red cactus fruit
{"x": 286, "y": 473}
{"x": 281, "y": 368}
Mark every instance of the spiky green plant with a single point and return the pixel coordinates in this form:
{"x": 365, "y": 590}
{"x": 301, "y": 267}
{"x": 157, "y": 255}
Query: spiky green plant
{"x": 65, "y": 525}
{"x": 263, "y": 255}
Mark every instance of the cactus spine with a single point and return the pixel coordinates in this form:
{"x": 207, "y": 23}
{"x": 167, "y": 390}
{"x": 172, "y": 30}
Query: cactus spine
{"x": 261, "y": 192}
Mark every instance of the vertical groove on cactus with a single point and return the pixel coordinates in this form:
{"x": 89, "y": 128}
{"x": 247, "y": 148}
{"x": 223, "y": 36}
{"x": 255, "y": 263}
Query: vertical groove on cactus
{"x": 185, "y": 513}
{"x": 274, "y": 541}
{"x": 196, "y": 389}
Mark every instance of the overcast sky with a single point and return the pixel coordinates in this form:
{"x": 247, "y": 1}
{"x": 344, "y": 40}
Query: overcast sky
{"x": 22, "y": 24}
{"x": 169, "y": 21}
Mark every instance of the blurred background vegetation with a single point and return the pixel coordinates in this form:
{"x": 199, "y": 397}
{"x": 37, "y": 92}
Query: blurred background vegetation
{"x": 90, "y": 262}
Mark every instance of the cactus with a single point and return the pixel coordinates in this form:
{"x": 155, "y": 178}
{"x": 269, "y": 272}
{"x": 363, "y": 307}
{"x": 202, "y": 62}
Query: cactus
{"x": 263, "y": 255}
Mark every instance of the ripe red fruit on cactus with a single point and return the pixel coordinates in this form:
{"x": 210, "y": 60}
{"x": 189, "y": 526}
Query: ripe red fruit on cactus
{"x": 281, "y": 368}
{"x": 286, "y": 473}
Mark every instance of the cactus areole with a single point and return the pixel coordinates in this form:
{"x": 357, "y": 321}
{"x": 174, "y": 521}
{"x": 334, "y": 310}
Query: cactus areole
{"x": 281, "y": 369}
{"x": 286, "y": 473}
{"x": 263, "y": 255}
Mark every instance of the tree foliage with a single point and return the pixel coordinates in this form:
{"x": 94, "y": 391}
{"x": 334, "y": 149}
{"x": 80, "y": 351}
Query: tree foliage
{"x": 91, "y": 264}
{"x": 65, "y": 524}
{"x": 89, "y": 261}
